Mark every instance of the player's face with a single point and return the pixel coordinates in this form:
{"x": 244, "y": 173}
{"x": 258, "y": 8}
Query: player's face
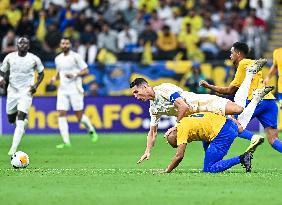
{"x": 65, "y": 45}
{"x": 23, "y": 45}
{"x": 171, "y": 135}
{"x": 234, "y": 55}
{"x": 140, "y": 92}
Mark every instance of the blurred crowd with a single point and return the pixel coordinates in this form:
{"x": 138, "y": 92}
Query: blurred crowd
{"x": 111, "y": 30}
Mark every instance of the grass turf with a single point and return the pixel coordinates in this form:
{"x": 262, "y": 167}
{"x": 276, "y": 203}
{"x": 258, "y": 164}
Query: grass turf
{"x": 106, "y": 173}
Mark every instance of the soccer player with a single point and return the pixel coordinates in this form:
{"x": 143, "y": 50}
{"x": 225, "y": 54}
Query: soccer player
{"x": 276, "y": 66}
{"x": 21, "y": 65}
{"x": 217, "y": 132}
{"x": 171, "y": 100}
{"x": 266, "y": 111}
{"x": 70, "y": 69}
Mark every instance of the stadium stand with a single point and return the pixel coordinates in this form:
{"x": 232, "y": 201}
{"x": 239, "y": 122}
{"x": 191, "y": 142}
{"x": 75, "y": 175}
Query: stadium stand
{"x": 158, "y": 39}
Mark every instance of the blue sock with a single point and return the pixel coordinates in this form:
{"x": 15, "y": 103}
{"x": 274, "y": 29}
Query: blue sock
{"x": 277, "y": 144}
{"x": 222, "y": 165}
{"x": 246, "y": 134}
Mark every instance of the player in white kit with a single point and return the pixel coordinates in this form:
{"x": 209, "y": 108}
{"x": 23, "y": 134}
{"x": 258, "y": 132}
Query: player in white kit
{"x": 70, "y": 69}
{"x": 171, "y": 100}
{"x": 21, "y": 65}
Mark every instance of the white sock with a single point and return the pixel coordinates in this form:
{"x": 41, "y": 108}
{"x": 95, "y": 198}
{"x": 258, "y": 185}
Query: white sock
{"x": 245, "y": 117}
{"x": 86, "y": 122}
{"x": 64, "y": 129}
{"x": 242, "y": 93}
{"x": 18, "y": 133}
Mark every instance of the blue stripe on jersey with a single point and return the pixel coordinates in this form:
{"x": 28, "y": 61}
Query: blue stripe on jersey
{"x": 174, "y": 96}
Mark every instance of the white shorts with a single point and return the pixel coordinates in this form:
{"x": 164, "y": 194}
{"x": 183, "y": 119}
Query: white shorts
{"x": 67, "y": 101}
{"x": 206, "y": 103}
{"x": 18, "y": 103}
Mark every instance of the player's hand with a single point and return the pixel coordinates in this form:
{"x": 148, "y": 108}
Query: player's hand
{"x": 70, "y": 75}
{"x": 32, "y": 89}
{"x": 203, "y": 83}
{"x": 52, "y": 81}
{"x": 266, "y": 81}
{"x": 2, "y": 82}
{"x": 146, "y": 156}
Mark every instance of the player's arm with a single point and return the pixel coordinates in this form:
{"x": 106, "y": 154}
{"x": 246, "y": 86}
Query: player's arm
{"x": 230, "y": 90}
{"x": 81, "y": 73}
{"x": 151, "y": 139}
{"x": 271, "y": 72}
{"x": 182, "y": 108}
{"x": 80, "y": 64}
{"x": 3, "y": 69}
{"x": 54, "y": 78}
{"x": 34, "y": 87}
{"x": 2, "y": 80}
{"x": 177, "y": 158}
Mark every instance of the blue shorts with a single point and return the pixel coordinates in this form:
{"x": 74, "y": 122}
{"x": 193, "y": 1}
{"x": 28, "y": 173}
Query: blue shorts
{"x": 267, "y": 113}
{"x": 279, "y": 96}
{"x": 220, "y": 145}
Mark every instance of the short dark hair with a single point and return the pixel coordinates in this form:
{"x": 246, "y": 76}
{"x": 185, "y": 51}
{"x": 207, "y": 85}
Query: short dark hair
{"x": 137, "y": 82}
{"x": 242, "y": 47}
{"x": 66, "y": 38}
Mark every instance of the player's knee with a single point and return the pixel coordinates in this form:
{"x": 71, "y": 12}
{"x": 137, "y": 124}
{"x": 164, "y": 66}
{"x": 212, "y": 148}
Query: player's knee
{"x": 21, "y": 115}
{"x": 239, "y": 110}
{"x": 62, "y": 113}
{"x": 11, "y": 120}
{"x": 272, "y": 134}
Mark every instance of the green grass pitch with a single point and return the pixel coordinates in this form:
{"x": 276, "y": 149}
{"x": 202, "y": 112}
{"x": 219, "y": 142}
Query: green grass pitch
{"x": 106, "y": 173}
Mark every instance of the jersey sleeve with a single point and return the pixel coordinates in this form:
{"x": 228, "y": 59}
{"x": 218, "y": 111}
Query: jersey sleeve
{"x": 169, "y": 92}
{"x": 80, "y": 62}
{"x": 5, "y": 65}
{"x": 239, "y": 76}
{"x": 39, "y": 65}
{"x": 182, "y": 135}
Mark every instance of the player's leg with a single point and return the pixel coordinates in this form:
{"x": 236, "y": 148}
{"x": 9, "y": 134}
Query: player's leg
{"x": 12, "y": 117}
{"x": 274, "y": 141}
{"x": 268, "y": 118}
{"x": 63, "y": 105}
{"x": 219, "y": 147}
{"x": 251, "y": 111}
{"x": 78, "y": 105}
{"x": 245, "y": 117}
{"x": 242, "y": 93}
{"x": 19, "y": 132}
{"x": 11, "y": 108}
{"x": 23, "y": 104}
{"x": 232, "y": 108}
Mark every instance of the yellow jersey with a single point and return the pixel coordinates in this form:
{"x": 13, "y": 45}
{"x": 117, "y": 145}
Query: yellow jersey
{"x": 257, "y": 81}
{"x": 277, "y": 60}
{"x": 203, "y": 126}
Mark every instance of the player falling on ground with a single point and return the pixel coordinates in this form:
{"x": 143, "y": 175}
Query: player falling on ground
{"x": 217, "y": 132}
{"x": 171, "y": 100}
{"x": 21, "y": 65}
{"x": 70, "y": 69}
{"x": 266, "y": 111}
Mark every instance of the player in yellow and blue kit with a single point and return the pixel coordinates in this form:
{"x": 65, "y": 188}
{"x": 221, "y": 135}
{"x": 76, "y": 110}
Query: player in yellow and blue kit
{"x": 217, "y": 134}
{"x": 214, "y": 129}
{"x": 266, "y": 111}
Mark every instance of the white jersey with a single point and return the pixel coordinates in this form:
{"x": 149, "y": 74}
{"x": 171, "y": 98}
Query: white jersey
{"x": 21, "y": 71}
{"x": 71, "y": 63}
{"x": 166, "y": 94}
